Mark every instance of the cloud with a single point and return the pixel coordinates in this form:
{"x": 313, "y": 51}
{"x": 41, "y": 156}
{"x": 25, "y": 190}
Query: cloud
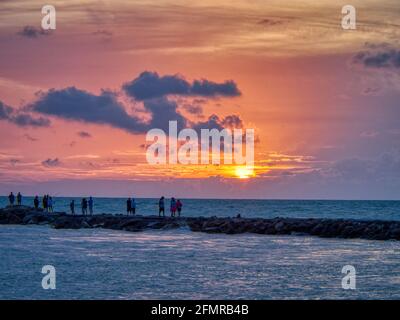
{"x": 24, "y": 119}
{"x": 215, "y": 122}
{"x": 79, "y": 105}
{"x": 33, "y": 32}
{"x": 193, "y": 109}
{"x": 51, "y": 162}
{"x": 269, "y": 22}
{"x": 163, "y": 111}
{"x": 75, "y": 104}
{"x": 5, "y": 111}
{"x": 84, "y": 134}
{"x": 20, "y": 118}
{"x": 208, "y": 88}
{"x": 107, "y": 108}
{"x": 232, "y": 122}
{"x": 378, "y": 56}
{"x": 150, "y": 85}
{"x": 30, "y": 138}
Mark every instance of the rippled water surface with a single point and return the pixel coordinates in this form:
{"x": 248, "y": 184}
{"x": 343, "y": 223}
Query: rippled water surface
{"x": 179, "y": 264}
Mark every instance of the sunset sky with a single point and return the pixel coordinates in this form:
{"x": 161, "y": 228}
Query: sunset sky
{"x": 76, "y": 102}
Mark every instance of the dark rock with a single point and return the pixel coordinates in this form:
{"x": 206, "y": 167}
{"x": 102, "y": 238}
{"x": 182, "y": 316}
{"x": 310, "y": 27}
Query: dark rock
{"x": 376, "y": 230}
{"x": 14, "y": 219}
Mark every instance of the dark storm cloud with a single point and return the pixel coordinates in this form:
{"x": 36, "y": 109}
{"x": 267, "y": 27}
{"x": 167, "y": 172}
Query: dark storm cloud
{"x": 33, "y": 32}
{"x": 21, "y": 119}
{"x": 378, "y": 56}
{"x": 150, "y": 85}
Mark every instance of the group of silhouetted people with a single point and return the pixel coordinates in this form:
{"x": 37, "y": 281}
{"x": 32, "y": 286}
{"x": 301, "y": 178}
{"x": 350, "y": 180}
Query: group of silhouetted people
{"x": 175, "y": 207}
{"x": 11, "y": 199}
{"x": 85, "y": 205}
{"x": 47, "y": 201}
{"x": 131, "y": 206}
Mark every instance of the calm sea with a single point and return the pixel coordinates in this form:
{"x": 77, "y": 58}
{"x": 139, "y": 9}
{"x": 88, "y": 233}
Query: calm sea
{"x": 180, "y": 264}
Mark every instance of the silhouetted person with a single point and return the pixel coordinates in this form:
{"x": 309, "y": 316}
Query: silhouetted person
{"x": 179, "y": 207}
{"x": 72, "y": 206}
{"x": 19, "y": 198}
{"x": 90, "y": 205}
{"x": 11, "y": 199}
{"x": 128, "y": 206}
{"x": 45, "y": 203}
{"x": 36, "y": 202}
{"x": 133, "y": 206}
{"x": 50, "y": 203}
{"x": 173, "y": 207}
{"x": 161, "y": 207}
{"x": 84, "y": 206}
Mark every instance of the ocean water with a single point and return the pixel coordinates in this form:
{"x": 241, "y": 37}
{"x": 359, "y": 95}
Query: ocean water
{"x": 179, "y": 264}
{"x": 383, "y": 210}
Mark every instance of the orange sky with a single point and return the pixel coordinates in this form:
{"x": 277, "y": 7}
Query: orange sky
{"x": 315, "y": 111}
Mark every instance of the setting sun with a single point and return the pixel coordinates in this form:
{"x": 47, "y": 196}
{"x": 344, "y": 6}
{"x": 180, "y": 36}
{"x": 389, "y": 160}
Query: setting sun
{"x": 244, "y": 172}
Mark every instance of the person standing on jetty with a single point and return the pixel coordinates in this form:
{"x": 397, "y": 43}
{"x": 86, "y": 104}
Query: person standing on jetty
{"x": 133, "y": 206}
{"x": 90, "y": 205}
{"x": 19, "y": 198}
{"x": 72, "y": 206}
{"x": 128, "y": 206}
{"x": 173, "y": 207}
{"x": 161, "y": 207}
{"x": 11, "y": 199}
{"x": 84, "y": 206}
{"x": 50, "y": 204}
{"x": 36, "y": 202}
{"x": 179, "y": 207}
{"x": 44, "y": 202}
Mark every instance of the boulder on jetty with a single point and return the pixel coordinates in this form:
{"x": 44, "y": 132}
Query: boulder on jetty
{"x": 328, "y": 228}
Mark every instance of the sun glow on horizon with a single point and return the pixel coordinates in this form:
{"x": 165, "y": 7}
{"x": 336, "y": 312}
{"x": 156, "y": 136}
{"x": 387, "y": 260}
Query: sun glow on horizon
{"x": 244, "y": 172}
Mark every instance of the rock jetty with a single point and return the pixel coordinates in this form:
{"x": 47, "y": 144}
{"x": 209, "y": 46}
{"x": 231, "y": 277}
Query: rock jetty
{"x": 328, "y": 228}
